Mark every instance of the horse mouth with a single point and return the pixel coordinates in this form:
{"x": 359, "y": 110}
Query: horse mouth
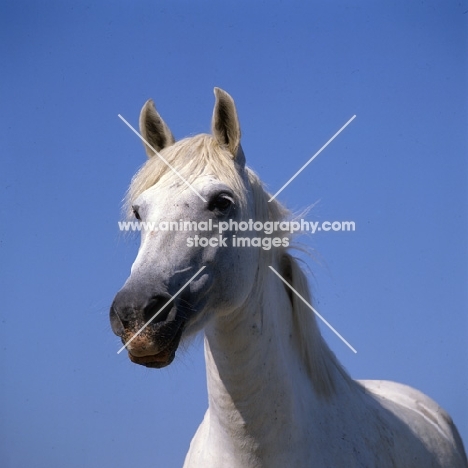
{"x": 141, "y": 350}
{"x": 155, "y": 361}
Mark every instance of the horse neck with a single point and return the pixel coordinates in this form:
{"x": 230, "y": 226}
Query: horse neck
{"x": 257, "y": 382}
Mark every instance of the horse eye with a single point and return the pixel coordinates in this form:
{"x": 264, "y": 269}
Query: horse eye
{"x": 135, "y": 212}
{"x": 221, "y": 203}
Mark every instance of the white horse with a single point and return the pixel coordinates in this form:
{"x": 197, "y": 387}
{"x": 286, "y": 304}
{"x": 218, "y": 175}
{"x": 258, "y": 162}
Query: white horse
{"x": 278, "y": 397}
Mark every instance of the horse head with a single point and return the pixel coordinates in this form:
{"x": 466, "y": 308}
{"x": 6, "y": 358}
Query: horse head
{"x": 201, "y": 181}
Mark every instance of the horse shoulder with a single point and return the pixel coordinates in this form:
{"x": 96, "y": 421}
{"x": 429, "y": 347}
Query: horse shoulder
{"x": 430, "y": 423}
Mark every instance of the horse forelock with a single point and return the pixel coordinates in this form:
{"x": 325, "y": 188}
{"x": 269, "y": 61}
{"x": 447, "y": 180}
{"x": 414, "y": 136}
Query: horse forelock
{"x": 187, "y": 160}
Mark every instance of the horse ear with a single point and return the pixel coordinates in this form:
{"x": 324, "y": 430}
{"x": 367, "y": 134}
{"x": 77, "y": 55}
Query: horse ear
{"x": 154, "y": 130}
{"x": 225, "y": 125}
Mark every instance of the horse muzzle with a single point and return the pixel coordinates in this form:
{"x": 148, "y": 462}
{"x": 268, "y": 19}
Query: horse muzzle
{"x": 150, "y": 329}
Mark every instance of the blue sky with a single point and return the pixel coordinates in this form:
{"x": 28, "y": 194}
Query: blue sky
{"x": 396, "y": 288}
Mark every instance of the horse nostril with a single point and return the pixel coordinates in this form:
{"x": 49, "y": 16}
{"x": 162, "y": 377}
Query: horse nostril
{"x": 117, "y": 324}
{"x": 157, "y": 305}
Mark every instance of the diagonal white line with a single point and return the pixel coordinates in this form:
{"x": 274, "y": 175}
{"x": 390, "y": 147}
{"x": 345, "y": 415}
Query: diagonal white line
{"x": 313, "y": 310}
{"x": 312, "y": 158}
{"x": 160, "y": 310}
{"x": 162, "y": 159}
